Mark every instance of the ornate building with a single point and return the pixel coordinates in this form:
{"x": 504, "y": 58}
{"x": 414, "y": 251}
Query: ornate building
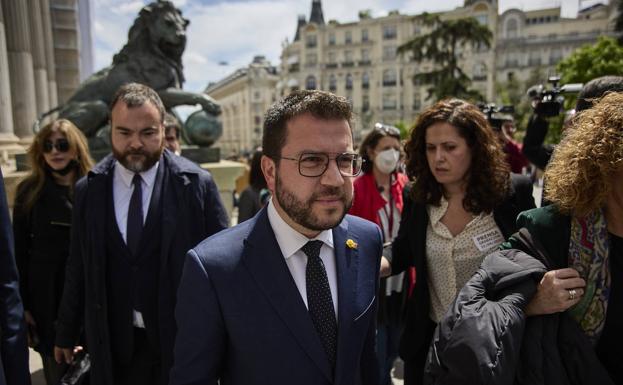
{"x": 40, "y": 57}
{"x": 244, "y": 96}
{"x": 358, "y": 60}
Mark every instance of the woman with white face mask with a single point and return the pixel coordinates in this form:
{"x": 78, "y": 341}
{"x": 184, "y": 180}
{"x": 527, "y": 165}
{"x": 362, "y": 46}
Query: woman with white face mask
{"x": 378, "y": 198}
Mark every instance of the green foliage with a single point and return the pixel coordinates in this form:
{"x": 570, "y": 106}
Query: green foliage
{"x": 440, "y": 47}
{"x": 591, "y": 61}
{"x": 404, "y": 129}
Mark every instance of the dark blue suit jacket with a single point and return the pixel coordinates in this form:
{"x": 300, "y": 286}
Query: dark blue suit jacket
{"x": 242, "y": 320}
{"x": 13, "y": 349}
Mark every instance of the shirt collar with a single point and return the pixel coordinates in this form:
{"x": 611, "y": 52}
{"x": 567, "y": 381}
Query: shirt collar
{"x": 290, "y": 241}
{"x": 435, "y": 213}
{"x": 126, "y": 175}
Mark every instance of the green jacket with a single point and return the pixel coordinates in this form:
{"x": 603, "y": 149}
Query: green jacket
{"x": 549, "y": 228}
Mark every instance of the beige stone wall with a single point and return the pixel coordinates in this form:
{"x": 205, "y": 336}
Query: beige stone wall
{"x": 333, "y": 53}
{"x": 244, "y": 97}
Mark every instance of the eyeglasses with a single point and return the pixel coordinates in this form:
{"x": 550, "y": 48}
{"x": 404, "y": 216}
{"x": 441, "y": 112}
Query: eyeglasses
{"x": 386, "y": 129}
{"x": 61, "y": 145}
{"x": 314, "y": 164}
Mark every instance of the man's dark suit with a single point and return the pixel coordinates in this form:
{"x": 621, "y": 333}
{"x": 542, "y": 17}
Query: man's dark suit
{"x": 191, "y": 210}
{"x": 13, "y": 349}
{"x": 242, "y": 320}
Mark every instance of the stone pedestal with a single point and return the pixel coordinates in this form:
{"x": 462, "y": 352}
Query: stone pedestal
{"x": 225, "y": 174}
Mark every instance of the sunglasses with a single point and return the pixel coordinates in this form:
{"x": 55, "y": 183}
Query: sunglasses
{"x": 387, "y": 130}
{"x": 61, "y": 145}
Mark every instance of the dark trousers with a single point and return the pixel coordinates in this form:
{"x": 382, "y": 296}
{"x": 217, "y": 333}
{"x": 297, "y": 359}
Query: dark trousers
{"x": 415, "y": 364}
{"x": 52, "y": 371}
{"x": 144, "y": 368}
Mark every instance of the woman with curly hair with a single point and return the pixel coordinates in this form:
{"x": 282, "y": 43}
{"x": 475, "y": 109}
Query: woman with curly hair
{"x": 58, "y": 156}
{"x": 582, "y": 230}
{"x": 462, "y": 205}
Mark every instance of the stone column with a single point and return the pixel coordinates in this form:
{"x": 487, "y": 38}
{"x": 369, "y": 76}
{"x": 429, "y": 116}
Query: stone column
{"x": 20, "y": 67}
{"x": 37, "y": 44}
{"x": 8, "y": 140}
{"x": 46, "y": 16}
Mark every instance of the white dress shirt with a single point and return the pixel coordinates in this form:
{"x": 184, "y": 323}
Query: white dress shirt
{"x": 290, "y": 242}
{"x": 122, "y": 189}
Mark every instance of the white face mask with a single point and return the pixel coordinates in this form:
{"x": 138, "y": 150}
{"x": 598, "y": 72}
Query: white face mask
{"x": 387, "y": 160}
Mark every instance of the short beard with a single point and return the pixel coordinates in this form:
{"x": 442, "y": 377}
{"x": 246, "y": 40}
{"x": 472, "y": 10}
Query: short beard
{"x": 301, "y": 212}
{"x": 140, "y": 165}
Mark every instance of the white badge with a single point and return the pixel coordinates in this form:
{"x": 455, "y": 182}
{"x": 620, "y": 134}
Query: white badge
{"x": 488, "y": 239}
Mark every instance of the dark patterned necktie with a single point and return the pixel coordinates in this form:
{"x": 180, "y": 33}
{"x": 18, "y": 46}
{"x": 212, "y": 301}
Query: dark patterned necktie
{"x": 319, "y": 300}
{"x": 135, "y": 216}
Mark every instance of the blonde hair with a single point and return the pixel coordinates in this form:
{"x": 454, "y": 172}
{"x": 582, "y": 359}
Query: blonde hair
{"x": 579, "y": 175}
{"x": 30, "y": 189}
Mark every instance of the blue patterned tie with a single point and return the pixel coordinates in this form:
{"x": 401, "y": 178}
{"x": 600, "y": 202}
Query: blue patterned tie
{"x": 135, "y": 216}
{"x": 319, "y": 300}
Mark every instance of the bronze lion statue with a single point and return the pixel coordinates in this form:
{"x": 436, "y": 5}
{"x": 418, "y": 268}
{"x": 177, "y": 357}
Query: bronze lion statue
{"x": 152, "y": 56}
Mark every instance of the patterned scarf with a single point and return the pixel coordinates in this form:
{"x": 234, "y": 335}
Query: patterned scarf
{"x": 589, "y": 254}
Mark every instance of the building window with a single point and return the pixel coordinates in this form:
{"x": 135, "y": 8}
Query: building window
{"x": 555, "y": 56}
{"x": 482, "y": 19}
{"x": 389, "y": 78}
{"x": 310, "y": 82}
{"x": 332, "y": 57}
{"x": 389, "y": 32}
{"x": 258, "y": 120}
{"x": 535, "y": 58}
{"x": 417, "y": 101}
{"x": 348, "y": 37}
{"x": 365, "y": 55}
{"x": 332, "y": 38}
{"x": 310, "y": 41}
{"x": 480, "y": 72}
{"x": 365, "y": 103}
{"x": 365, "y": 81}
{"x": 311, "y": 59}
{"x": 349, "y": 82}
{"x": 332, "y": 83}
{"x": 389, "y": 102}
{"x": 512, "y": 28}
{"x": 389, "y": 53}
{"x": 364, "y": 35}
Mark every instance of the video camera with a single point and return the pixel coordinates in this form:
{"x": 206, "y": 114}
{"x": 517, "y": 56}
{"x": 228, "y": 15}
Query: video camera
{"x": 497, "y": 115}
{"x": 550, "y": 101}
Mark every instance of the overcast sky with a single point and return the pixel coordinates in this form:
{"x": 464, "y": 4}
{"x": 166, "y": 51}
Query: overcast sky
{"x": 234, "y": 31}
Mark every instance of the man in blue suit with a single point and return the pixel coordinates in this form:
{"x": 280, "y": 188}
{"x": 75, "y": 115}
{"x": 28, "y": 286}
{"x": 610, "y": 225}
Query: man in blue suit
{"x": 13, "y": 349}
{"x": 287, "y": 297}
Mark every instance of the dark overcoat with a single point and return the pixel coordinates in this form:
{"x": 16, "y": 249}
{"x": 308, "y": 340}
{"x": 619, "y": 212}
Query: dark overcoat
{"x": 191, "y": 211}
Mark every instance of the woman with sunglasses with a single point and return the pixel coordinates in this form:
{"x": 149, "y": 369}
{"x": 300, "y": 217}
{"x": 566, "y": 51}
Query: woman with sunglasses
{"x": 58, "y": 156}
{"x": 378, "y": 198}
{"x": 462, "y": 206}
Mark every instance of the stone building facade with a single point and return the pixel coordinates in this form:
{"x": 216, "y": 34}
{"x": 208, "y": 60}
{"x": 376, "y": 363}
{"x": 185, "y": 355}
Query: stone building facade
{"x": 244, "y": 96}
{"x": 358, "y": 60}
{"x": 39, "y": 62}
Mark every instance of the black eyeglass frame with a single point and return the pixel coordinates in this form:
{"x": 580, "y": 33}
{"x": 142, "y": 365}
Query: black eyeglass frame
{"x": 336, "y": 157}
{"x": 61, "y": 145}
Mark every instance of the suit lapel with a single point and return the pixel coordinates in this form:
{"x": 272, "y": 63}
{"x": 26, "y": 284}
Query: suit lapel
{"x": 346, "y": 262}
{"x": 170, "y": 198}
{"x": 265, "y": 262}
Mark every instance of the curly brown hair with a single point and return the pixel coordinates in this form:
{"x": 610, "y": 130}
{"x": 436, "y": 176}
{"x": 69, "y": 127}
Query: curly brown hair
{"x": 488, "y": 179}
{"x": 579, "y": 175}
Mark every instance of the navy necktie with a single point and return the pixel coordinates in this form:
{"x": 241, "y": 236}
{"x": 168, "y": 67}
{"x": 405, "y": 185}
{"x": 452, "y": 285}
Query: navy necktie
{"x": 135, "y": 216}
{"x": 319, "y": 300}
